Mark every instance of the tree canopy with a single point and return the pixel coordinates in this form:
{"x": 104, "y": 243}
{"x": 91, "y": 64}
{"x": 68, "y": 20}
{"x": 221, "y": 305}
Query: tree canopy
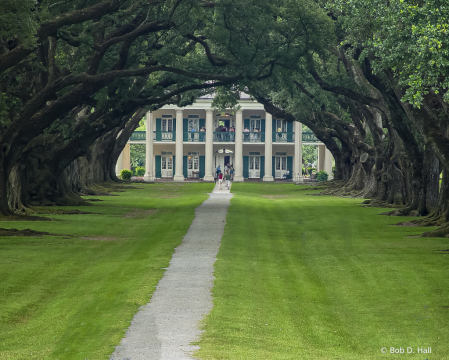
{"x": 368, "y": 77}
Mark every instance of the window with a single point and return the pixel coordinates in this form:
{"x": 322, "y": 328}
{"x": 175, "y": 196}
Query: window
{"x": 281, "y": 124}
{"x": 167, "y": 123}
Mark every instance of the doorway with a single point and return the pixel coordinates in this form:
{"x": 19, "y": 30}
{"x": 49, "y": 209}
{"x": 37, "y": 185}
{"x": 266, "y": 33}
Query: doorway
{"x": 193, "y": 166}
{"x": 223, "y": 160}
{"x": 166, "y": 166}
{"x": 280, "y": 166}
{"x": 254, "y": 167}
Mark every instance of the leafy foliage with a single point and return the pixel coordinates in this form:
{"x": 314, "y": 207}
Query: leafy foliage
{"x": 410, "y": 38}
{"x": 140, "y": 171}
{"x": 321, "y": 175}
{"x": 126, "y": 174}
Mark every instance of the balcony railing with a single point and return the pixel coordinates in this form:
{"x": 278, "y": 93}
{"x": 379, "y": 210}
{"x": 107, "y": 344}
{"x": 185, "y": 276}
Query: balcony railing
{"x": 248, "y": 137}
{"x": 224, "y": 136}
{"x": 164, "y": 135}
{"x": 283, "y": 137}
{"x": 195, "y": 136}
{"x": 308, "y": 136}
{"x": 253, "y": 137}
{"x": 138, "y": 136}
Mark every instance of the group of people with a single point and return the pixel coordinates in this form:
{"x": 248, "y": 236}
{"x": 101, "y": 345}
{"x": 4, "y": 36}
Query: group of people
{"x": 228, "y": 176}
{"x": 222, "y": 128}
{"x": 253, "y": 136}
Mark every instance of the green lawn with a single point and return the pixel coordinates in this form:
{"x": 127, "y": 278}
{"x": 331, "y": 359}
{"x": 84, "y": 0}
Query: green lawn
{"x": 72, "y": 297}
{"x": 298, "y": 277}
{"x": 311, "y": 277}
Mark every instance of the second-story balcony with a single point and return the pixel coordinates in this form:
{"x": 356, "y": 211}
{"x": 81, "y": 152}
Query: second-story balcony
{"x": 164, "y": 135}
{"x": 194, "y": 136}
{"x": 283, "y": 137}
{"x": 224, "y": 136}
{"x": 138, "y": 136}
{"x": 308, "y": 136}
{"x": 253, "y": 136}
{"x": 247, "y": 137}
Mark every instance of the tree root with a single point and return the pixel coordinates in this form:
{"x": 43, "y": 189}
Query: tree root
{"x": 433, "y": 219}
{"x": 443, "y": 231}
{"x": 399, "y": 212}
{"x": 23, "y": 218}
{"x": 25, "y": 232}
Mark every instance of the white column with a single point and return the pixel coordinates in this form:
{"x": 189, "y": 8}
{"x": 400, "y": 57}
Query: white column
{"x": 238, "y": 158}
{"x": 149, "y": 173}
{"x": 179, "y": 147}
{"x": 321, "y": 155}
{"x": 127, "y": 156}
{"x": 268, "y": 148}
{"x": 297, "y": 166}
{"x": 209, "y": 163}
{"x": 119, "y": 165}
{"x": 328, "y": 164}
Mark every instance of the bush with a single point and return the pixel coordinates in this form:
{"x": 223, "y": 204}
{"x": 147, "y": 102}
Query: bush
{"x": 126, "y": 174}
{"x": 321, "y": 175}
{"x": 140, "y": 171}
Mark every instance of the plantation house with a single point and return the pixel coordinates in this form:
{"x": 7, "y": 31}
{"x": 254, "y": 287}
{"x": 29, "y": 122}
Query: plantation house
{"x": 191, "y": 142}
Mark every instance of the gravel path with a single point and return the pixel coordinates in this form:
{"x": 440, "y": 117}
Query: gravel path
{"x": 164, "y": 328}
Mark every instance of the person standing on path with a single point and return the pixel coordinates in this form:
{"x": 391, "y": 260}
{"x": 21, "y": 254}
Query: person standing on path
{"x": 228, "y": 180}
{"x": 220, "y": 179}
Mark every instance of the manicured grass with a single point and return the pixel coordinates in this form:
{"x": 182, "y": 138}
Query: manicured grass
{"x": 64, "y": 297}
{"x": 311, "y": 277}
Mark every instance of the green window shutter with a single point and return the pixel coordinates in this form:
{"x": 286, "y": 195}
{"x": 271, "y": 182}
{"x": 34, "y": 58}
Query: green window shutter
{"x": 158, "y": 164}
{"x": 262, "y": 166}
{"x": 185, "y": 129}
{"x": 184, "y": 166}
{"x": 174, "y": 130}
{"x": 290, "y": 131}
{"x": 246, "y": 167}
{"x": 246, "y": 124}
{"x": 273, "y": 126}
{"x": 158, "y": 129}
{"x": 262, "y": 130}
{"x": 202, "y": 165}
{"x": 202, "y": 134}
{"x": 273, "y": 164}
{"x": 290, "y": 166}
{"x": 174, "y": 165}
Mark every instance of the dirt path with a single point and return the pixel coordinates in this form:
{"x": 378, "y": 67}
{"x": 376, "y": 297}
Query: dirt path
{"x": 165, "y": 327}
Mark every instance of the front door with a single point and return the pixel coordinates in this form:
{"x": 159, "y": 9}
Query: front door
{"x": 254, "y": 167}
{"x": 193, "y": 166}
{"x": 280, "y": 166}
{"x": 166, "y": 166}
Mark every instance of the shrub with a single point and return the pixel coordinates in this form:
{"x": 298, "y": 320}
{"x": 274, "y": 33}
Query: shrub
{"x": 140, "y": 171}
{"x": 125, "y": 174}
{"x": 321, "y": 175}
